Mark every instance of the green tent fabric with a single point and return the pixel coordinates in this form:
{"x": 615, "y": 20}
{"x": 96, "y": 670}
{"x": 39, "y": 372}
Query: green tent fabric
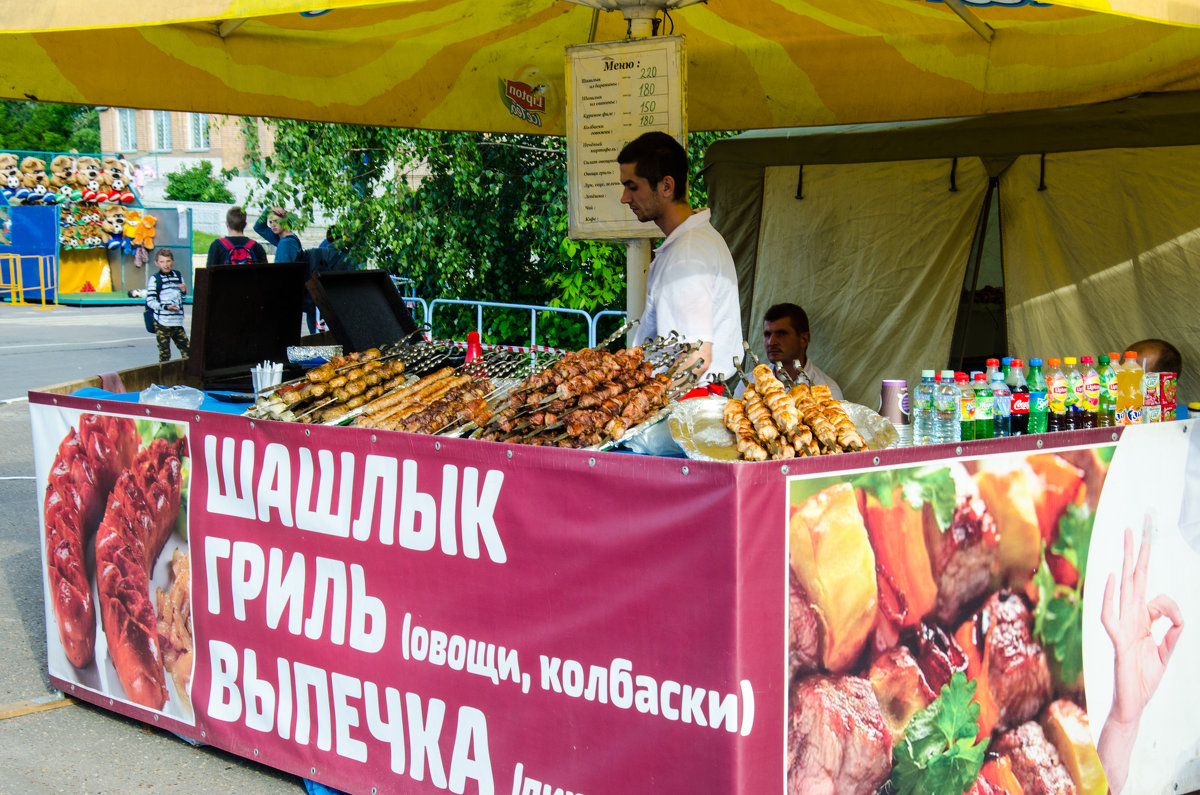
{"x": 1098, "y": 223}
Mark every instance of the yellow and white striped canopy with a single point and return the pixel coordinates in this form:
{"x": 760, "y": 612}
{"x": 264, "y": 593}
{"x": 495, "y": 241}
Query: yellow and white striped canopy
{"x": 445, "y": 64}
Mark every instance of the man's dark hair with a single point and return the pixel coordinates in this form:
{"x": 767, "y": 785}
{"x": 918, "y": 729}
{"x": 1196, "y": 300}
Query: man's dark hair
{"x": 235, "y": 219}
{"x": 1169, "y": 358}
{"x": 656, "y": 155}
{"x": 792, "y": 312}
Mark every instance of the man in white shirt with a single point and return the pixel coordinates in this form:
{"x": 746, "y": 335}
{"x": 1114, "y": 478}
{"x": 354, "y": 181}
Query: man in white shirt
{"x": 786, "y": 338}
{"x": 692, "y": 285}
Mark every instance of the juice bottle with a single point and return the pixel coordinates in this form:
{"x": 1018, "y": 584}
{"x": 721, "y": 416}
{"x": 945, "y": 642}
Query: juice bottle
{"x": 1039, "y": 403}
{"x": 966, "y": 407}
{"x": 1091, "y": 393}
{"x": 1075, "y": 397}
{"x": 1129, "y": 391}
{"x": 1056, "y": 390}
{"x": 985, "y": 406}
{"x": 1107, "y": 403}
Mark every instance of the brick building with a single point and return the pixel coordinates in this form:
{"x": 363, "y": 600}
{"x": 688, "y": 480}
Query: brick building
{"x": 174, "y": 138}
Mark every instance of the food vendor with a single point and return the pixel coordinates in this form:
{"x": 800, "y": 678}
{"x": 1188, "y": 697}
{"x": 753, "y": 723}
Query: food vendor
{"x": 692, "y": 285}
{"x": 786, "y": 338}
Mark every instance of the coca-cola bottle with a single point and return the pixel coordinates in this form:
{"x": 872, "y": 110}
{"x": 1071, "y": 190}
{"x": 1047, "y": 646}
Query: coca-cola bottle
{"x": 1020, "y": 398}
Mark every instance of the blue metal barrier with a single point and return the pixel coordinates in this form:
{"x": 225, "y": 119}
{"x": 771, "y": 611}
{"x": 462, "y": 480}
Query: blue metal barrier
{"x": 531, "y": 308}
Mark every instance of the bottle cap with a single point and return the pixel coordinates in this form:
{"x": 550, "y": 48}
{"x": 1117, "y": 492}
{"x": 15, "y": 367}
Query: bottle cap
{"x": 960, "y": 378}
{"x": 937, "y": 377}
{"x": 1054, "y": 361}
{"x": 979, "y": 378}
{"x": 1069, "y": 360}
{"x": 1113, "y": 356}
{"x": 947, "y": 375}
{"x": 1018, "y": 362}
{"x": 927, "y": 373}
{"x": 1036, "y": 361}
{"x": 1130, "y": 355}
{"x": 993, "y": 362}
{"x": 1104, "y": 359}
{"x": 1006, "y": 361}
{"x": 1088, "y": 360}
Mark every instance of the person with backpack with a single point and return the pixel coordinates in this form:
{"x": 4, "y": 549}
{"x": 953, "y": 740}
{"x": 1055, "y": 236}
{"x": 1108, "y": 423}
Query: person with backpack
{"x": 272, "y": 227}
{"x": 164, "y": 299}
{"x": 236, "y": 248}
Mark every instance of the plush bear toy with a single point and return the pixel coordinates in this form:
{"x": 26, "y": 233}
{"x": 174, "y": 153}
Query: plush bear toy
{"x": 62, "y": 178}
{"x": 88, "y": 176}
{"x": 133, "y": 220}
{"x": 10, "y": 175}
{"x": 144, "y": 236}
{"x": 114, "y": 225}
{"x": 38, "y": 182}
{"x": 118, "y": 180}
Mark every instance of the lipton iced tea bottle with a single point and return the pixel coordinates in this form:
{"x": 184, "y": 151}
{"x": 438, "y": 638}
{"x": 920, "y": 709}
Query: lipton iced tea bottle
{"x": 1107, "y": 403}
{"x": 1056, "y": 390}
{"x": 1075, "y": 397}
{"x": 1091, "y": 393}
{"x": 1039, "y": 403}
{"x": 966, "y": 407}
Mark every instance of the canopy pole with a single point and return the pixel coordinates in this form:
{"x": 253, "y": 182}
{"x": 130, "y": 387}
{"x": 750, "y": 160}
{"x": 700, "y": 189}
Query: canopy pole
{"x": 985, "y": 31}
{"x": 637, "y": 250}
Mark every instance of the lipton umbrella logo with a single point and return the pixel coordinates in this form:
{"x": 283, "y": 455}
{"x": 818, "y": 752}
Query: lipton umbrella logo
{"x": 527, "y": 97}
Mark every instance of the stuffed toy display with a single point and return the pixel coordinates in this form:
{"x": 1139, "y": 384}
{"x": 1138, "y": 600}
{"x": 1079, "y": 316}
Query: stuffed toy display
{"x": 118, "y": 174}
{"x": 114, "y": 225}
{"x": 62, "y": 173}
{"x": 133, "y": 220}
{"x": 35, "y": 185}
{"x": 89, "y": 177}
{"x": 144, "y": 236}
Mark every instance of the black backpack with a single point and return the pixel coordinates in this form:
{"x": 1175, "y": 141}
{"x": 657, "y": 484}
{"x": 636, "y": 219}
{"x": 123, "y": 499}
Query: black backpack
{"x": 148, "y": 313}
{"x": 239, "y": 254}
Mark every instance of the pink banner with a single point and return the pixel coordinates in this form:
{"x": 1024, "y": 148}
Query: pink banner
{"x": 395, "y": 612}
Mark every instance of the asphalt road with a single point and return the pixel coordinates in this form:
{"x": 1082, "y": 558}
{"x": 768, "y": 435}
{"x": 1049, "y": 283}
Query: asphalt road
{"x": 47, "y": 743}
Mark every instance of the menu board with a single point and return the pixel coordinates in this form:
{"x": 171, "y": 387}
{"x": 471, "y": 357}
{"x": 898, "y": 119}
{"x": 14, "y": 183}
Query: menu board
{"x": 615, "y": 92}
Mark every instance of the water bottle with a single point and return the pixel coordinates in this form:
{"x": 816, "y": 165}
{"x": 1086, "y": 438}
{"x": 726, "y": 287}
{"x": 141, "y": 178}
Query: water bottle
{"x": 946, "y": 409}
{"x": 923, "y": 410}
{"x": 1020, "y": 398}
{"x": 966, "y": 407}
{"x": 993, "y": 366}
{"x": 985, "y": 407}
{"x": 1039, "y": 403}
{"x": 1003, "y": 398}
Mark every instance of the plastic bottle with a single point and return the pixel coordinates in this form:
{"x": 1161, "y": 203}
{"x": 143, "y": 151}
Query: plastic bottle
{"x": 922, "y": 412}
{"x": 966, "y": 407}
{"x": 985, "y": 407}
{"x": 946, "y": 409}
{"x": 1020, "y": 398}
{"x": 1039, "y": 403}
{"x": 474, "y": 348}
{"x": 1107, "y": 403}
{"x": 1091, "y": 393}
{"x": 993, "y": 366}
{"x": 1129, "y": 391}
{"x": 1056, "y": 390}
{"x": 1075, "y": 397}
{"x": 1002, "y": 414}
{"x": 1006, "y": 368}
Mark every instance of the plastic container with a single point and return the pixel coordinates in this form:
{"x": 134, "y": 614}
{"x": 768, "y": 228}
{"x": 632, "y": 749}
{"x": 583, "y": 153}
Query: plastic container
{"x": 1019, "y": 388}
{"x": 894, "y": 407}
{"x": 985, "y": 408}
{"x": 946, "y": 400}
{"x": 1106, "y": 404}
{"x": 1056, "y": 389}
{"x": 1002, "y": 413}
{"x": 966, "y": 407}
{"x": 922, "y": 410}
{"x": 1090, "y": 393}
{"x": 1075, "y": 397}
{"x": 1039, "y": 402}
{"x": 1129, "y": 390}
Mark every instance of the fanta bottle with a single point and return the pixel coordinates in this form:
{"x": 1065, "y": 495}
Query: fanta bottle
{"x": 1129, "y": 390}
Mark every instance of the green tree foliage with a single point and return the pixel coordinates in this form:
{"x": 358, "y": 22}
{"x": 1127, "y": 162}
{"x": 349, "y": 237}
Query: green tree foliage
{"x": 460, "y": 215}
{"x": 47, "y": 127}
{"x": 198, "y": 183}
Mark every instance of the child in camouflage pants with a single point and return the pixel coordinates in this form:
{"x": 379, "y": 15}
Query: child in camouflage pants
{"x": 164, "y": 296}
